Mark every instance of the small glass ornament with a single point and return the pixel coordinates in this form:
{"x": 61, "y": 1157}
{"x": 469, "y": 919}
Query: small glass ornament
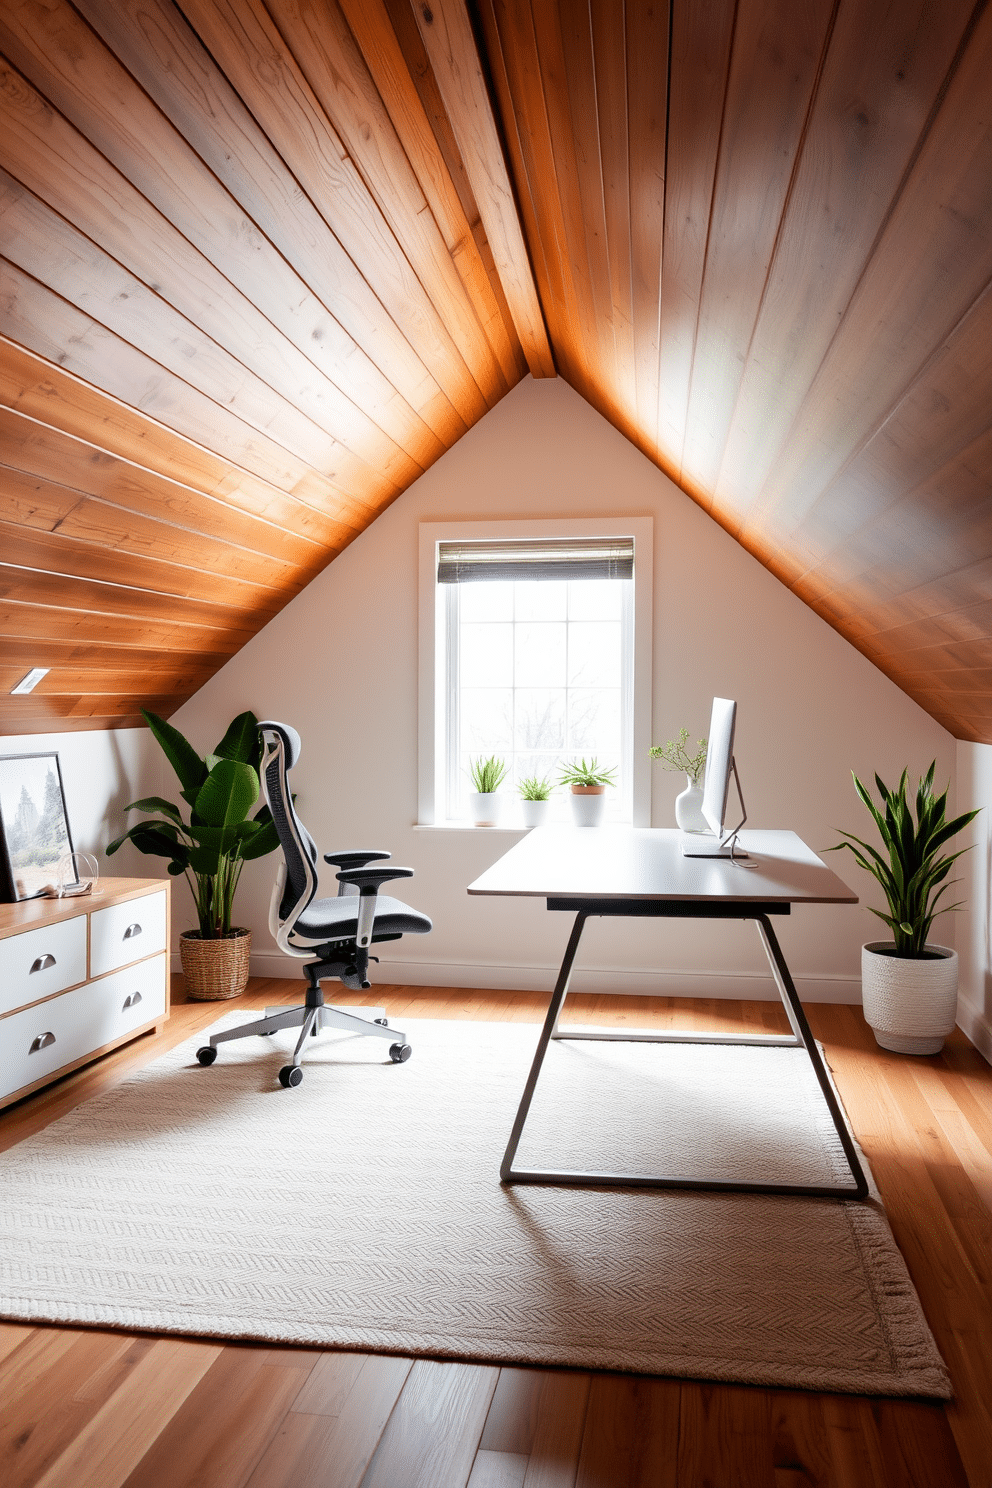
{"x": 77, "y": 873}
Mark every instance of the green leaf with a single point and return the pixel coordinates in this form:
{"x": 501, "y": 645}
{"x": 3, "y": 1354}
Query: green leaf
{"x": 156, "y": 803}
{"x": 265, "y": 841}
{"x": 228, "y": 793}
{"x": 178, "y": 751}
{"x": 205, "y": 860}
{"x": 242, "y": 741}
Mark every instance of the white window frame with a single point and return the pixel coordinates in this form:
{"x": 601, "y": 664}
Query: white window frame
{"x": 434, "y": 681}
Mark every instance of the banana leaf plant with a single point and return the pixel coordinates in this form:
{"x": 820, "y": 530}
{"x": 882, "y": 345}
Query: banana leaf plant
{"x": 220, "y": 835}
{"x": 913, "y": 872}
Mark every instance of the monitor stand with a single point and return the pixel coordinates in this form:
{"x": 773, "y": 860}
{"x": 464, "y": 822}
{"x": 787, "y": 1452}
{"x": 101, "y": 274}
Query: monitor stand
{"x": 724, "y": 846}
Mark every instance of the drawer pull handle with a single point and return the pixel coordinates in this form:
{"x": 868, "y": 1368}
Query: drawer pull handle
{"x": 42, "y": 1042}
{"x": 42, "y": 963}
{"x": 131, "y": 931}
{"x": 131, "y": 1001}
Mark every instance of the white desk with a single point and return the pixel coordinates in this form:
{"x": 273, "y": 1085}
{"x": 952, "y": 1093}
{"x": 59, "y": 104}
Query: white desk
{"x": 640, "y": 872}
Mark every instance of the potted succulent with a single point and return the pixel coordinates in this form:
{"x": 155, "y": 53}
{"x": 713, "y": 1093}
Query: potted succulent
{"x": 484, "y": 802}
{"x": 674, "y": 755}
{"x": 210, "y": 848}
{"x": 588, "y": 784}
{"x": 535, "y": 799}
{"x": 909, "y": 985}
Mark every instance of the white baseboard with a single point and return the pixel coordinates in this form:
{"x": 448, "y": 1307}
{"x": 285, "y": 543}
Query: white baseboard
{"x": 595, "y": 979}
{"x": 975, "y": 1025}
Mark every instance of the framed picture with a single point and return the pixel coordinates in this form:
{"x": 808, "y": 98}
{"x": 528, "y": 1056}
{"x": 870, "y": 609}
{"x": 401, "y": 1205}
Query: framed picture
{"x": 34, "y": 828}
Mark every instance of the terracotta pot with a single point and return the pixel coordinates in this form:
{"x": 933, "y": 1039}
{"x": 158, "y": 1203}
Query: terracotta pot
{"x": 215, "y": 969}
{"x": 910, "y": 1003}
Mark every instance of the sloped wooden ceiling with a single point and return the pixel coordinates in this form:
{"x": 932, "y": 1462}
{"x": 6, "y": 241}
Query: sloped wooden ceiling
{"x": 264, "y": 263}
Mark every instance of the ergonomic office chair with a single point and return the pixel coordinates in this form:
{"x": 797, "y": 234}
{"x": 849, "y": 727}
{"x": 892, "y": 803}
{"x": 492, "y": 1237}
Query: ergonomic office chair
{"x": 335, "y": 933}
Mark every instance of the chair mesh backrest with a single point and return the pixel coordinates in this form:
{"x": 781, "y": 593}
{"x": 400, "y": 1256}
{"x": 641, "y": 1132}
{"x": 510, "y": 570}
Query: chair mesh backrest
{"x": 298, "y": 847}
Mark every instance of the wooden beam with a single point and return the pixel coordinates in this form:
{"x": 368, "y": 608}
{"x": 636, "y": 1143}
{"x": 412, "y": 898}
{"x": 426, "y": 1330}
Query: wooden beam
{"x": 447, "y": 35}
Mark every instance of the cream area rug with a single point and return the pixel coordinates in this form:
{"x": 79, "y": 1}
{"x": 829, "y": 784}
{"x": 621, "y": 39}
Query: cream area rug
{"x": 364, "y": 1210}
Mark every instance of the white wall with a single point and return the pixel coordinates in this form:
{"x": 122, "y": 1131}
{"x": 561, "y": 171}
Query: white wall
{"x": 101, "y": 772}
{"x": 974, "y": 871}
{"x": 340, "y": 664}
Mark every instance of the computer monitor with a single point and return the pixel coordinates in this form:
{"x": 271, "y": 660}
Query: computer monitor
{"x": 716, "y": 788}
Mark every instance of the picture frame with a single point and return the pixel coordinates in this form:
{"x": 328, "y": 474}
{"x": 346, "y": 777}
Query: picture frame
{"x": 34, "y": 825}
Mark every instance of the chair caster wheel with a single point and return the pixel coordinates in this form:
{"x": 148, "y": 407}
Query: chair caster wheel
{"x": 207, "y": 1054}
{"x": 400, "y": 1053}
{"x": 383, "y": 1022}
{"x": 290, "y": 1075}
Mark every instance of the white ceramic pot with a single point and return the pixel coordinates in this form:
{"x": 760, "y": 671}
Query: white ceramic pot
{"x": 689, "y": 808}
{"x": 909, "y": 1003}
{"x": 534, "y": 813}
{"x": 588, "y": 805}
{"x": 484, "y": 807}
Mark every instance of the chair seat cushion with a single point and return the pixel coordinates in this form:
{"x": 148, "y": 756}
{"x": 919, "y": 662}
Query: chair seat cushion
{"x": 337, "y": 919}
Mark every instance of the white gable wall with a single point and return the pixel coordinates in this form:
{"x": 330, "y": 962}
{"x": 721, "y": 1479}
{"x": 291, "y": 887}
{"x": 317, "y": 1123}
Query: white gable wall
{"x": 340, "y": 664}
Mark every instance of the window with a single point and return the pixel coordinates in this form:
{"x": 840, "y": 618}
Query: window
{"x": 535, "y": 646}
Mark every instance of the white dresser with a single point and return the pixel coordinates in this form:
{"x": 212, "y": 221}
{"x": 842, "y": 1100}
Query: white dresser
{"x": 79, "y": 977}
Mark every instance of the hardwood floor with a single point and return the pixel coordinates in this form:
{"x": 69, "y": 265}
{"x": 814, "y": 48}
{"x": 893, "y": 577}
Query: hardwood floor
{"x": 98, "y": 1409}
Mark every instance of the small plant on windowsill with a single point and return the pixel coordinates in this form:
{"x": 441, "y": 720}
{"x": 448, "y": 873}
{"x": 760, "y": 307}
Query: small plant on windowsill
{"x": 588, "y": 782}
{"x": 674, "y": 755}
{"x": 487, "y": 777}
{"x": 535, "y": 799}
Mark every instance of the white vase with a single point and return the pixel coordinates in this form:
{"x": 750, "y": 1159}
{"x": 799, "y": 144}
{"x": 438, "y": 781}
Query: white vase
{"x": 689, "y": 808}
{"x": 484, "y": 808}
{"x": 534, "y": 813}
{"x": 588, "y": 805}
{"x": 910, "y": 1003}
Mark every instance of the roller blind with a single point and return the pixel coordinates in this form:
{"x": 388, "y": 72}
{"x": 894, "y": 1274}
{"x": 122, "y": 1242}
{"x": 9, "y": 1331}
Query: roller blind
{"x": 539, "y": 558}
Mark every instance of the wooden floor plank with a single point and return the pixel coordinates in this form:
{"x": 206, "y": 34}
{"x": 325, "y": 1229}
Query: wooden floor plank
{"x": 433, "y": 1434}
{"x": 90, "y": 1407}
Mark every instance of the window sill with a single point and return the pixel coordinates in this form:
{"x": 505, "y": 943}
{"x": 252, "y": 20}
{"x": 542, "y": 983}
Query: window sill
{"x": 469, "y": 827}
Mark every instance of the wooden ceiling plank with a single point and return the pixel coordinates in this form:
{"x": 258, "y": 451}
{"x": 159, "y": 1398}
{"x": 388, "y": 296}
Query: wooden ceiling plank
{"x": 47, "y": 393}
{"x": 373, "y": 33}
{"x": 647, "y": 45}
{"x": 882, "y": 76}
{"x": 940, "y": 424}
{"x": 31, "y": 501}
{"x": 53, "y": 161}
{"x": 702, "y": 34}
{"x": 66, "y": 61}
{"x": 774, "y": 70}
{"x": 52, "y": 553}
{"x": 37, "y": 586}
{"x": 932, "y": 261}
{"x": 45, "y": 246}
{"x": 327, "y": 54}
{"x": 55, "y": 620}
{"x": 447, "y": 36}
{"x": 255, "y": 58}
{"x": 36, "y": 317}
{"x": 77, "y": 656}
{"x": 17, "y": 722}
{"x": 36, "y": 449}
{"x": 90, "y": 682}
{"x": 41, "y": 715}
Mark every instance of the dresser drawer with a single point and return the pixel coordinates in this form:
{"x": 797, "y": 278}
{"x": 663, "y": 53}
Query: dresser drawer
{"x": 126, "y": 932}
{"x": 37, "y": 1042}
{"x": 37, "y": 963}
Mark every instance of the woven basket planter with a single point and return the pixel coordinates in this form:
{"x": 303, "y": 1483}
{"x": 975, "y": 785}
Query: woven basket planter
{"x": 215, "y": 969}
{"x": 910, "y": 1004}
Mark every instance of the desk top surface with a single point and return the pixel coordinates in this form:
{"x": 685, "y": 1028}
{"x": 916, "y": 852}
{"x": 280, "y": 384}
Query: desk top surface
{"x": 647, "y": 863}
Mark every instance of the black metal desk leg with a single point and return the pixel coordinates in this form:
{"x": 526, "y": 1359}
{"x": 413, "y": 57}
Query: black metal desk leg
{"x": 797, "y": 1017}
{"x": 557, "y": 998}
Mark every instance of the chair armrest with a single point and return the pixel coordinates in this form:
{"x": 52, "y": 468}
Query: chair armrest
{"x": 369, "y": 881}
{"x": 354, "y": 860}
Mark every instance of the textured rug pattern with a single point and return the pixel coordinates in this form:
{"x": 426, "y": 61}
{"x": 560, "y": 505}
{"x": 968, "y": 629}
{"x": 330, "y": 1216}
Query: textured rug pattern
{"x": 364, "y": 1210}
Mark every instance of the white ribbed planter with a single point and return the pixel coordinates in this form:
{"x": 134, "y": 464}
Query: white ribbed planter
{"x": 484, "y": 807}
{"x": 910, "y": 1004}
{"x": 588, "y": 805}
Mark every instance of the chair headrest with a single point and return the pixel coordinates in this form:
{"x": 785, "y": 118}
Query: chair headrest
{"x": 290, "y": 738}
